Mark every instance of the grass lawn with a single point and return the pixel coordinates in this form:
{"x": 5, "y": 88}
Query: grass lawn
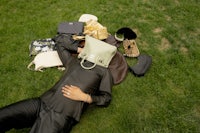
{"x": 165, "y": 100}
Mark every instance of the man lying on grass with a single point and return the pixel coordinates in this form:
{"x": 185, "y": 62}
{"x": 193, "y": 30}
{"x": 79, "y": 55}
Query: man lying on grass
{"x": 60, "y": 108}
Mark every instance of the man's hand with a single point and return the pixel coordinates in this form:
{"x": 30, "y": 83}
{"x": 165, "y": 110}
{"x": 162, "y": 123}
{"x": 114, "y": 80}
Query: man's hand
{"x": 75, "y": 93}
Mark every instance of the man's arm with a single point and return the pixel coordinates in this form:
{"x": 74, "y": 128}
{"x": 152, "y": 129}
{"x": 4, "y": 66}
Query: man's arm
{"x": 65, "y": 45}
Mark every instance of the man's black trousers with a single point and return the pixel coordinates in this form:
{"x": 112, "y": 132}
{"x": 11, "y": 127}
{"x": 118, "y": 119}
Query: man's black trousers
{"x": 33, "y": 113}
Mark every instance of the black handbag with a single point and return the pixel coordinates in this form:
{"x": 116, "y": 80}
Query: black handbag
{"x": 74, "y": 28}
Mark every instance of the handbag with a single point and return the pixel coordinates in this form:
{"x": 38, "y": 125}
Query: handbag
{"x": 143, "y": 64}
{"x": 118, "y": 68}
{"x": 96, "y": 30}
{"x": 97, "y": 52}
{"x": 130, "y": 48}
{"x": 128, "y": 36}
{"x": 87, "y": 17}
{"x": 41, "y": 45}
{"x": 45, "y": 60}
{"x": 74, "y": 28}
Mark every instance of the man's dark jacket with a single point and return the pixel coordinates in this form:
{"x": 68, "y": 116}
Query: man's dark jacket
{"x": 97, "y": 82}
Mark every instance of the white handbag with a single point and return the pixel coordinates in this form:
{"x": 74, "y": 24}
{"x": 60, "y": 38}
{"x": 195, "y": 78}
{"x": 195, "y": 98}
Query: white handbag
{"x": 45, "y": 60}
{"x": 97, "y": 52}
{"x": 87, "y": 17}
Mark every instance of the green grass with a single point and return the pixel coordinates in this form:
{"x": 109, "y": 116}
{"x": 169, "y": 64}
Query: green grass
{"x": 165, "y": 100}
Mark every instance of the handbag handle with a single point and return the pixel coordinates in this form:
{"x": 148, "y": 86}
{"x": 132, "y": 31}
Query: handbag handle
{"x": 82, "y": 61}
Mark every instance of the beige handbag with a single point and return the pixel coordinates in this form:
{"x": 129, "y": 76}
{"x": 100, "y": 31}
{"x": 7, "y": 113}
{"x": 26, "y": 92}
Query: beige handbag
{"x": 97, "y": 52}
{"x": 45, "y": 60}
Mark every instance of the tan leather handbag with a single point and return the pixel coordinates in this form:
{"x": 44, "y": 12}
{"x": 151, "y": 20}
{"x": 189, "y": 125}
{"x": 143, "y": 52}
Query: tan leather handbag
{"x": 96, "y": 30}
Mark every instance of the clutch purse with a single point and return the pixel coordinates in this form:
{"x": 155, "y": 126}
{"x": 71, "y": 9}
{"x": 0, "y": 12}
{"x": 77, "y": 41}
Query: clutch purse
{"x": 74, "y": 28}
{"x": 96, "y": 51}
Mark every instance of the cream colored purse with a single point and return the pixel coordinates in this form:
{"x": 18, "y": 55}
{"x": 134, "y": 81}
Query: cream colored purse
{"x": 45, "y": 60}
{"x": 97, "y": 52}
